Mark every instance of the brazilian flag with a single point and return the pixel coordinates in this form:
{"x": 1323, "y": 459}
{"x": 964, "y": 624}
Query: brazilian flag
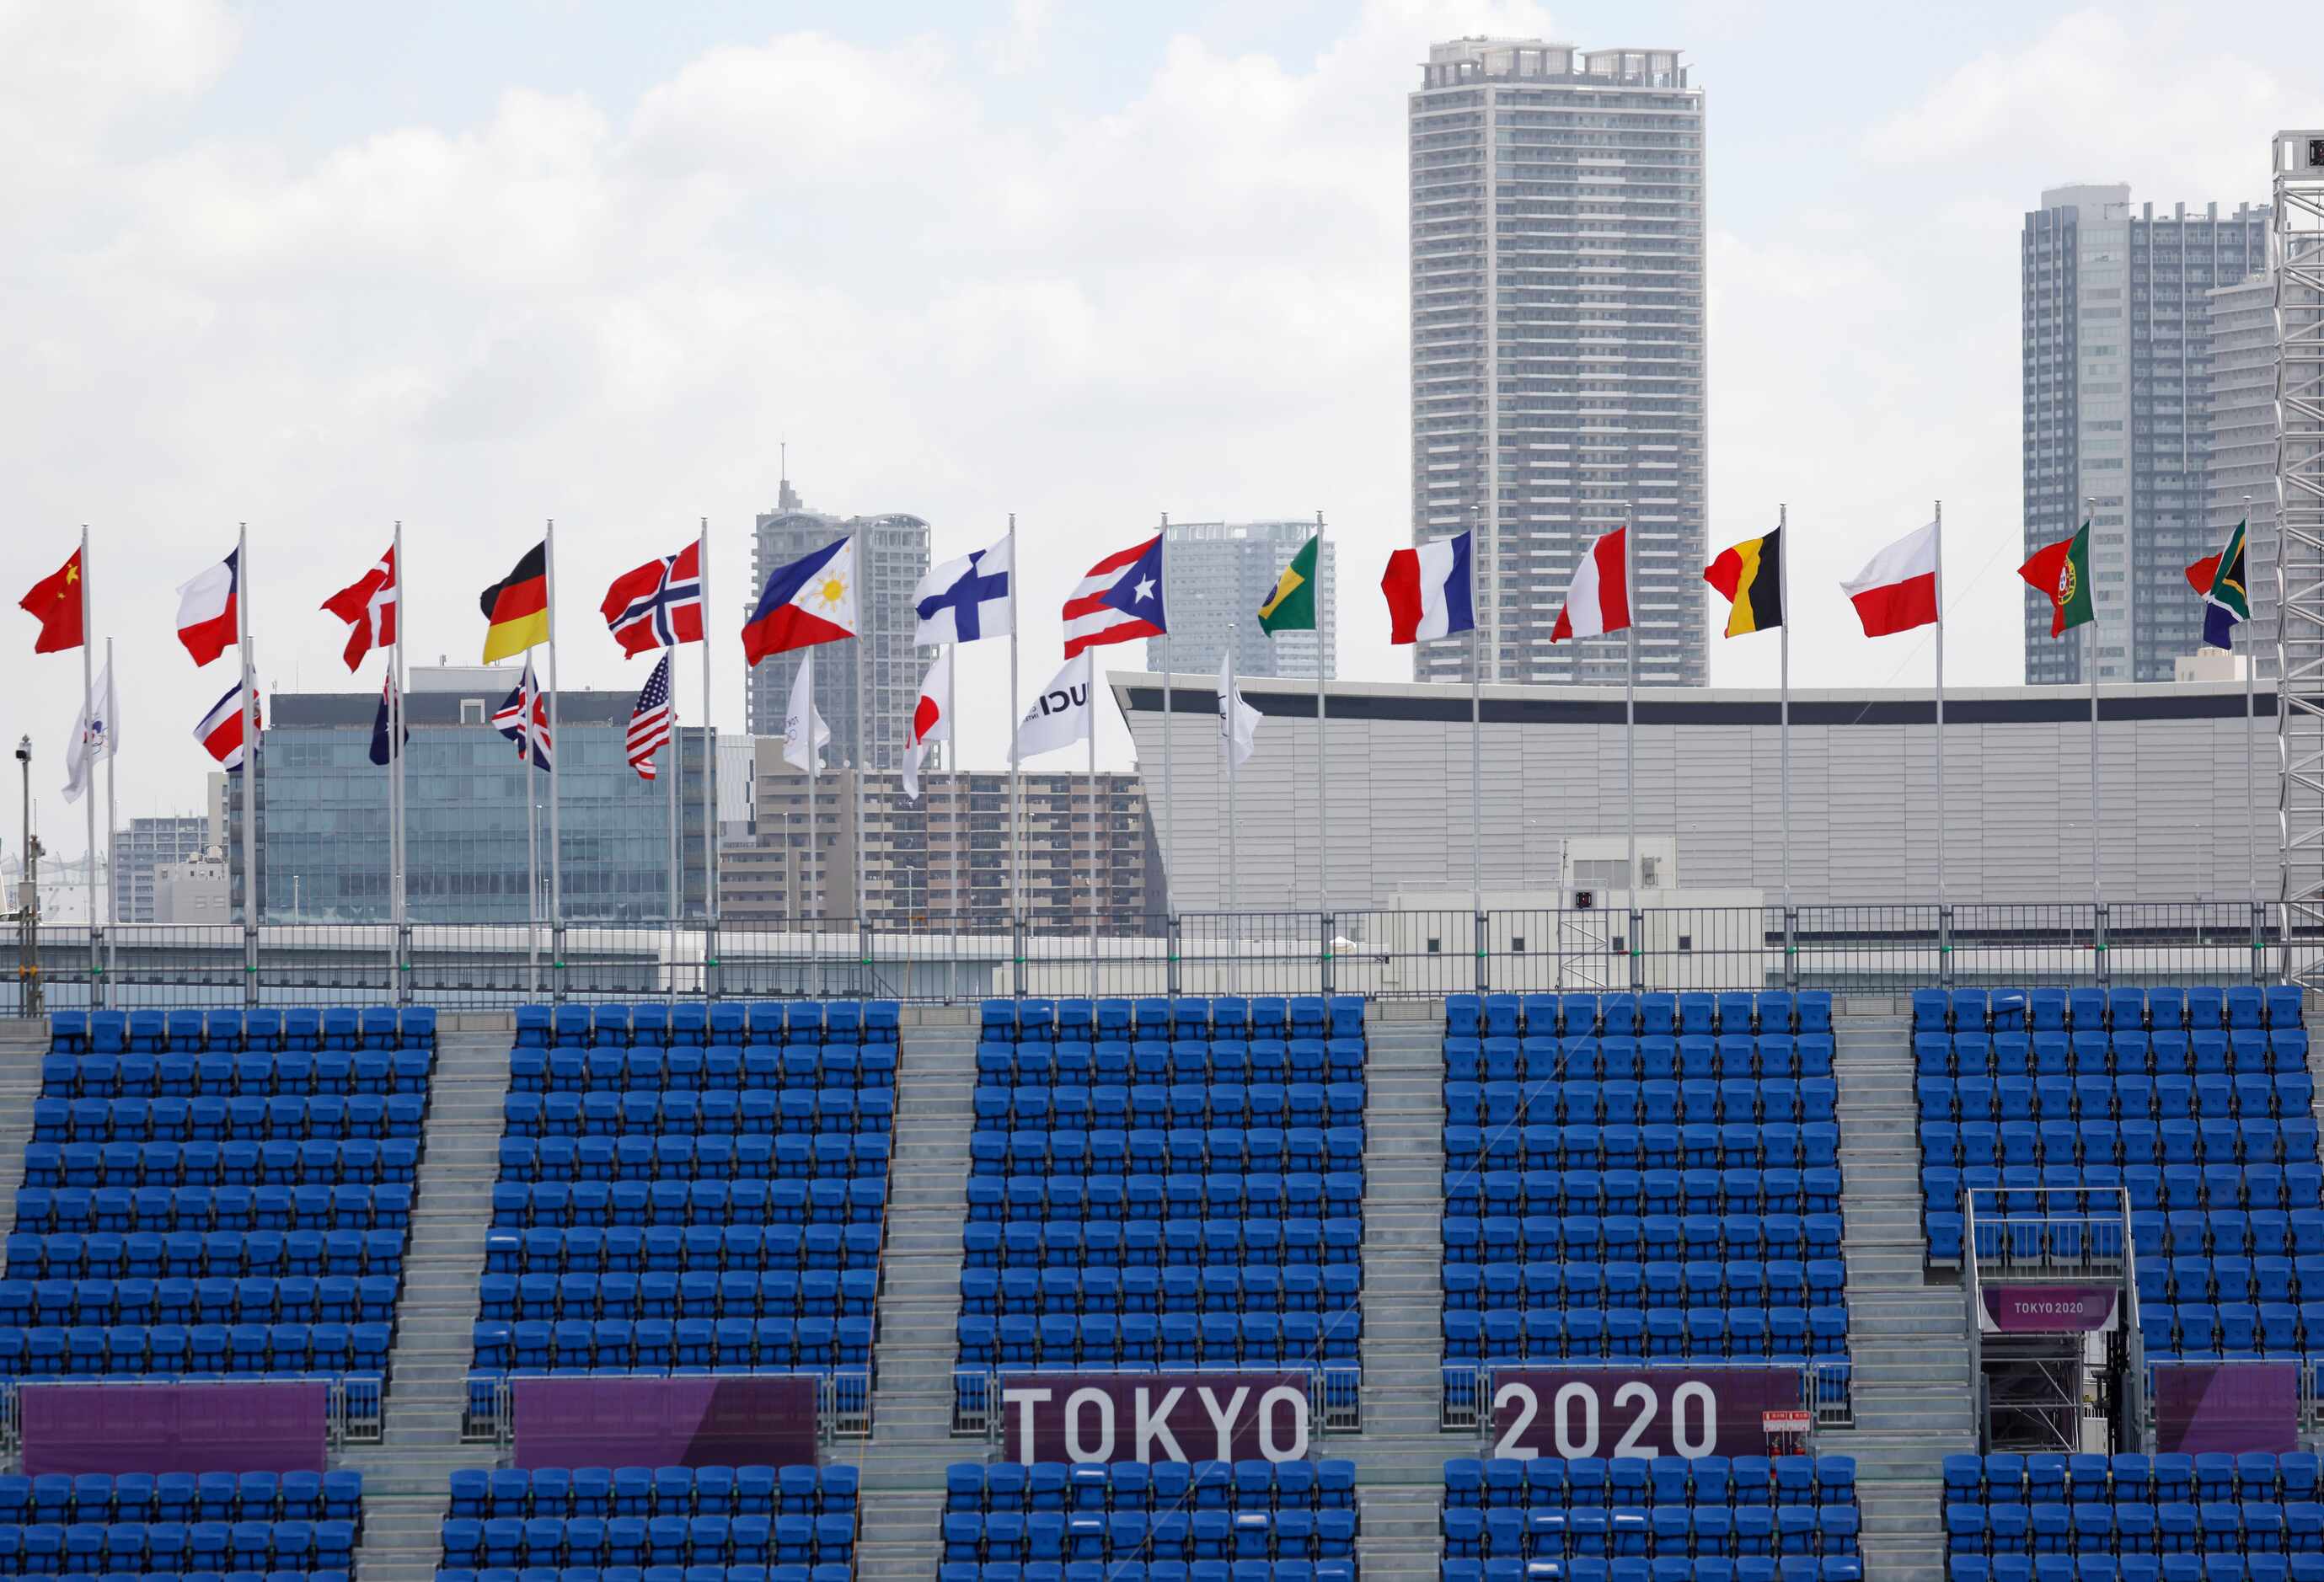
{"x": 1292, "y": 606}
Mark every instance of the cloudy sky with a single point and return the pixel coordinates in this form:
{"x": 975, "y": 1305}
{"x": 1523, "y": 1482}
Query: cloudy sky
{"x": 475, "y": 265}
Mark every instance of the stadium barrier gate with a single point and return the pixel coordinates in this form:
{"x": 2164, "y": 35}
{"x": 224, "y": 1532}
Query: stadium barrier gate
{"x": 355, "y": 1411}
{"x": 843, "y": 1409}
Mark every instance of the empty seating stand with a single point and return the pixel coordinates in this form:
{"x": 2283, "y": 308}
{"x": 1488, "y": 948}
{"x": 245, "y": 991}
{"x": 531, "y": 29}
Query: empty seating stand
{"x": 691, "y": 1189}
{"x": 1747, "y": 1519}
{"x": 177, "y": 1524}
{"x": 217, "y": 1193}
{"x": 1649, "y": 1177}
{"x": 2132, "y": 1518}
{"x": 1171, "y": 1521}
{"x": 631, "y": 1523}
{"x": 1163, "y": 1183}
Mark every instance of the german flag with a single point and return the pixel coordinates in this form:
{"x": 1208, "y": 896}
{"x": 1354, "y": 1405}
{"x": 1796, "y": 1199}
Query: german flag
{"x": 1750, "y": 577}
{"x": 516, "y": 607}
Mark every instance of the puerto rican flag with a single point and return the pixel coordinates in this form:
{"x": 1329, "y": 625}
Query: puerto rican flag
{"x": 1119, "y": 600}
{"x": 220, "y": 732}
{"x": 659, "y": 604}
{"x": 1597, "y": 599}
{"x": 210, "y": 618}
{"x": 1428, "y": 591}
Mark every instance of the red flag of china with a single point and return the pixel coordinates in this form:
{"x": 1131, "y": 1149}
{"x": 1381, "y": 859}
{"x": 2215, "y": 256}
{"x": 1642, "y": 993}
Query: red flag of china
{"x": 55, "y": 603}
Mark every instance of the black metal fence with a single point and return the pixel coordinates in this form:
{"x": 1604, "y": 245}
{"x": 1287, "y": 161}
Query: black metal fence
{"x": 1383, "y": 954}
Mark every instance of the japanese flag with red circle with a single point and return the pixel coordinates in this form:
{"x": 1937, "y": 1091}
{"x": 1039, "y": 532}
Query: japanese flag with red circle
{"x": 931, "y": 723}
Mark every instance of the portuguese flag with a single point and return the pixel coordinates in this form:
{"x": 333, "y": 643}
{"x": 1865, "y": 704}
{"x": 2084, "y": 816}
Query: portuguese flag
{"x": 2060, "y": 572}
{"x": 1292, "y": 606}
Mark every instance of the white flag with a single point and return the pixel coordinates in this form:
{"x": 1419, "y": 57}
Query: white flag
{"x": 796, "y": 751}
{"x": 1238, "y": 721}
{"x": 1061, "y": 712}
{"x": 95, "y": 735}
{"x": 930, "y": 723}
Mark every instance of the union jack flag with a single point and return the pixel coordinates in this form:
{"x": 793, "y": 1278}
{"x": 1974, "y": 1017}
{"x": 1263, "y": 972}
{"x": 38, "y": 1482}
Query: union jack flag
{"x": 649, "y": 721}
{"x": 659, "y": 604}
{"x": 526, "y": 702}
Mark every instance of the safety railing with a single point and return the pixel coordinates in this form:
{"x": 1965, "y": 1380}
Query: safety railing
{"x": 1470, "y": 1392}
{"x": 488, "y": 1414}
{"x": 358, "y": 1412}
{"x": 353, "y": 1411}
{"x": 2047, "y": 1232}
{"x": 844, "y": 1405}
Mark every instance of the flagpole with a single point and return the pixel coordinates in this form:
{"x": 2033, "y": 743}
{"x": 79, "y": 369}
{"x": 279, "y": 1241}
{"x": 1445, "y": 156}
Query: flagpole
{"x": 528, "y": 766}
{"x": 1940, "y": 702}
{"x": 1783, "y": 672}
{"x": 112, "y": 817}
{"x": 2250, "y": 663}
{"x": 959, "y": 863}
{"x": 556, "y": 845}
{"x": 670, "y": 760}
{"x": 399, "y": 889}
{"x": 709, "y": 772}
{"x": 1170, "y": 808}
{"x": 1097, "y": 819}
{"x": 1476, "y": 768}
{"x": 1322, "y": 801}
{"x": 1015, "y": 836}
{"x": 252, "y": 911}
{"x": 814, "y": 773}
{"x": 1226, "y": 726}
{"x": 862, "y": 751}
{"x": 1630, "y": 699}
{"x": 2091, "y": 658}
{"x": 89, "y": 804}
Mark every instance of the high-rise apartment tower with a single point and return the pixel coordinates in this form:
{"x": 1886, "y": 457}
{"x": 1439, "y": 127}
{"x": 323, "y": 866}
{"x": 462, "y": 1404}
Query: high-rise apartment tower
{"x": 1219, "y": 575}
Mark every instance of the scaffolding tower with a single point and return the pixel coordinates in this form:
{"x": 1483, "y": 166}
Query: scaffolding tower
{"x": 2297, "y": 255}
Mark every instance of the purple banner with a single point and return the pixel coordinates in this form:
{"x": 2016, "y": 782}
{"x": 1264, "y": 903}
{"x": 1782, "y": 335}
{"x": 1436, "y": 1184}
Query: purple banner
{"x": 1154, "y": 1417}
{"x": 1569, "y": 1413}
{"x": 2047, "y": 1308}
{"x": 662, "y": 1421}
{"x": 257, "y": 1426}
{"x": 2233, "y": 1406}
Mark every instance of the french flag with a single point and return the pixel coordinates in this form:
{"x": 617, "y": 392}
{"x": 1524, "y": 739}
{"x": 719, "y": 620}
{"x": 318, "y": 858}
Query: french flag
{"x": 209, "y": 621}
{"x": 220, "y": 732}
{"x": 1428, "y": 591}
{"x": 810, "y": 601}
{"x": 1597, "y": 599}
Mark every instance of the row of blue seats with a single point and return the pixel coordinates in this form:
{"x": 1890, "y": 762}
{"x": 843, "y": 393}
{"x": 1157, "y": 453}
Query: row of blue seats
{"x": 663, "y": 1345}
{"x": 1664, "y": 1568}
{"x": 691, "y": 1024}
{"x": 1631, "y": 1237}
{"x": 674, "y": 1204}
{"x": 758, "y": 1157}
{"x": 1655, "y": 1011}
{"x": 1589, "y": 1482}
{"x": 295, "y": 1117}
{"x": 2160, "y": 1191}
{"x": 194, "y": 1254}
{"x": 2208, "y": 1005}
{"x": 291, "y": 1547}
{"x": 231, "y": 1163}
{"x": 1776, "y": 1145}
{"x": 1122, "y": 1570}
{"x": 2232, "y": 1329}
{"x": 2174, "y": 1476}
{"x": 64, "y": 1498}
{"x": 2217, "y": 1527}
{"x": 741, "y": 1293}
{"x": 120, "y": 1211}
{"x": 720, "y": 1068}
{"x": 2216, "y": 1140}
{"x": 1157, "y": 1061}
{"x": 2134, "y": 1567}
{"x": 671, "y": 1249}
{"x": 1547, "y": 1334}
{"x": 1740, "y": 1189}
{"x": 1184, "y": 1535}
{"x": 799, "y": 1571}
{"x": 1224, "y": 1287}
{"x": 2257, "y": 1094}
{"x": 1063, "y": 1341}
{"x": 1735, "y": 1101}
{"x": 1328, "y": 1483}
{"x": 1156, "y": 1107}
{"x": 2133, "y": 1056}
{"x": 305, "y": 1028}
{"x": 197, "y": 1575}
{"x": 2232, "y": 1278}
{"x": 658, "y": 1541}
{"x": 749, "y": 1490}
{"x": 1304, "y": 1016}
{"x": 1628, "y": 1058}
{"x": 1663, "y": 1284}
{"x": 2026, "y": 1236}
{"x": 155, "y": 1078}
{"x": 1134, "y": 1248}
{"x": 723, "y": 1114}
{"x": 1555, "y": 1533}
{"x": 252, "y": 1300}
{"x": 1181, "y": 1193}
{"x": 1151, "y": 1152}
{"x": 286, "y": 1351}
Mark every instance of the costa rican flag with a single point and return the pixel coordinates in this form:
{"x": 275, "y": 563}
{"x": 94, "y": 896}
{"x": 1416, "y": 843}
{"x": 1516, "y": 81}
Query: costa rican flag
{"x": 220, "y": 732}
{"x": 1119, "y": 600}
{"x": 659, "y": 604}
{"x": 649, "y": 721}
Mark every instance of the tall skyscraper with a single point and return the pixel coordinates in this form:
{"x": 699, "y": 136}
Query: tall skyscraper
{"x": 2116, "y": 364}
{"x": 1557, "y": 343}
{"x": 891, "y": 555}
{"x": 143, "y": 845}
{"x": 2240, "y": 482}
{"x": 1219, "y": 573}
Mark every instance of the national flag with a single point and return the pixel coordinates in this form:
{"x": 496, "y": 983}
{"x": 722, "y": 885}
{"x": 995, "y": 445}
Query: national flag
{"x": 1292, "y": 606}
{"x": 516, "y": 607}
{"x": 1597, "y": 599}
{"x": 382, "y": 752}
{"x": 810, "y": 601}
{"x": 2227, "y": 597}
{"x": 55, "y": 603}
{"x": 1750, "y": 577}
{"x": 1061, "y": 713}
{"x": 1430, "y": 591}
{"x": 96, "y": 735}
{"x": 659, "y": 604}
{"x": 801, "y": 722}
{"x": 1238, "y": 721}
{"x": 930, "y": 723}
{"x": 510, "y": 718}
{"x": 368, "y": 606}
{"x": 220, "y": 732}
{"x": 966, "y": 599}
{"x": 1896, "y": 591}
{"x": 650, "y": 720}
{"x": 2061, "y": 572}
{"x": 1119, "y": 599}
{"x": 208, "y": 616}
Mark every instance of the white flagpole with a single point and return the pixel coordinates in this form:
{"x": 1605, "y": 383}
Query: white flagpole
{"x": 2091, "y": 658}
{"x": 953, "y": 803}
{"x": 556, "y": 845}
{"x": 863, "y": 749}
{"x": 1476, "y": 766}
{"x": 1940, "y": 702}
{"x": 1784, "y": 670}
{"x": 112, "y": 817}
{"x": 670, "y": 762}
{"x": 89, "y": 804}
{"x": 251, "y": 910}
{"x": 1097, "y": 823}
{"x": 398, "y": 789}
{"x": 1630, "y": 699}
{"x": 1323, "y": 739}
{"x": 709, "y": 772}
{"x": 2250, "y": 663}
{"x": 1169, "y": 808}
{"x": 1016, "y": 835}
{"x": 1234, "y": 855}
{"x": 814, "y": 773}
{"x": 528, "y": 766}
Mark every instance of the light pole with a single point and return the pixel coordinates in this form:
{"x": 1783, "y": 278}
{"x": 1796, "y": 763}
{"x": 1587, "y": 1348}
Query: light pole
{"x": 28, "y": 895}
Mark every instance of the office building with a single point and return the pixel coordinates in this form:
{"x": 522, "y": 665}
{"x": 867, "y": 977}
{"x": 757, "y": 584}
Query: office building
{"x": 143, "y": 845}
{"x": 891, "y": 555}
{"x": 193, "y": 890}
{"x": 2117, "y": 370}
{"x": 2240, "y": 479}
{"x": 1557, "y": 344}
{"x": 1219, "y": 575}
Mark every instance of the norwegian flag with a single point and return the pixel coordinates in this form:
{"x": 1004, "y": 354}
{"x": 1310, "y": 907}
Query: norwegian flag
{"x": 510, "y": 719}
{"x": 650, "y": 720}
{"x": 368, "y": 606}
{"x": 659, "y": 604}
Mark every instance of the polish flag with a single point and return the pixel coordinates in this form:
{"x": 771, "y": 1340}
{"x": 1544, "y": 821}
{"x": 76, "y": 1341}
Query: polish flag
{"x": 1896, "y": 591}
{"x": 1597, "y": 599}
{"x": 208, "y": 617}
{"x": 930, "y": 723}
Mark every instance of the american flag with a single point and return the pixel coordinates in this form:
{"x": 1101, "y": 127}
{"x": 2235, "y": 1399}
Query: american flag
{"x": 649, "y": 721}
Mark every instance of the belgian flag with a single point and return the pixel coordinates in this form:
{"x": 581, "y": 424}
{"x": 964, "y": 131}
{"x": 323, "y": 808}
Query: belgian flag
{"x": 516, "y": 607}
{"x": 1750, "y": 577}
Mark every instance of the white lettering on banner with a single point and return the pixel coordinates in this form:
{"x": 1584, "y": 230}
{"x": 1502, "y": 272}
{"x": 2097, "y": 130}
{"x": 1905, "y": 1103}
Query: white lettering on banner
{"x": 1528, "y": 1405}
{"x": 1223, "y": 1421}
{"x": 1078, "y": 1449}
{"x": 1024, "y": 1401}
{"x": 1574, "y": 1419}
{"x": 1154, "y": 1424}
{"x": 1269, "y": 1447}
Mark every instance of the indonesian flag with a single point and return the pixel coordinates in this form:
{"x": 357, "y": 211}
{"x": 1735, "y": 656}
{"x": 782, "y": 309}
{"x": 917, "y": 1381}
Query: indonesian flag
{"x": 1896, "y": 591}
{"x": 930, "y": 723}
{"x": 220, "y": 732}
{"x": 208, "y": 616}
{"x": 368, "y": 606}
{"x": 1598, "y": 600}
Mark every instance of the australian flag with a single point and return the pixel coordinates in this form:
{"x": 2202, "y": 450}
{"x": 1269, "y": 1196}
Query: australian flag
{"x": 381, "y": 752}
{"x": 659, "y": 604}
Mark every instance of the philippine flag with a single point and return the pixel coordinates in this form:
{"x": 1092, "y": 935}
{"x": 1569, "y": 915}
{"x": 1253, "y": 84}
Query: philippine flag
{"x": 1597, "y": 599}
{"x": 1428, "y": 591}
{"x": 810, "y": 601}
{"x": 220, "y": 732}
{"x": 209, "y": 621}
